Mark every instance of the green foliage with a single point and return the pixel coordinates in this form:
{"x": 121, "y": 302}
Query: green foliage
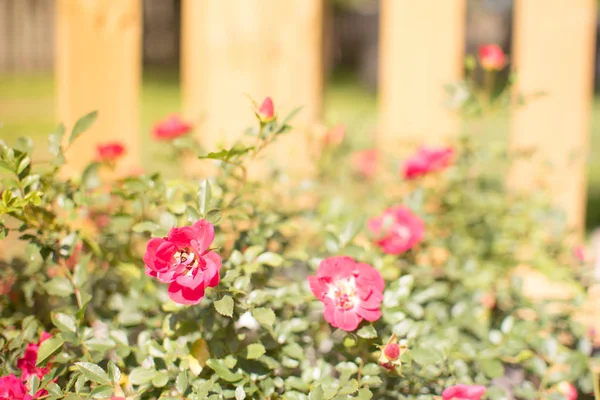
{"x": 260, "y": 333}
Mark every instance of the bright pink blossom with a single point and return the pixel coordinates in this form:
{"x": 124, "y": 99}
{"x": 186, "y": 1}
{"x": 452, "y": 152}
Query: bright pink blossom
{"x": 27, "y": 363}
{"x": 335, "y": 136}
{"x": 110, "y": 152}
{"x": 463, "y": 392}
{"x": 266, "y": 112}
{"x": 11, "y": 388}
{"x": 491, "y": 57}
{"x": 366, "y": 162}
{"x": 397, "y": 230}
{"x": 568, "y": 390}
{"x": 349, "y": 290}
{"x": 184, "y": 260}
{"x": 170, "y": 128}
{"x": 427, "y": 160}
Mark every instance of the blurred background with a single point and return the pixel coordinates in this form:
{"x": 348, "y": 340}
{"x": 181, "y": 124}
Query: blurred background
{"x": 350, "y": 71}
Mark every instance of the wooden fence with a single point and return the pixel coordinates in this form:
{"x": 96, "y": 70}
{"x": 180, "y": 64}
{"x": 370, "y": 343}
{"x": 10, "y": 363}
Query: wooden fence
{"x": 274, "y": 47}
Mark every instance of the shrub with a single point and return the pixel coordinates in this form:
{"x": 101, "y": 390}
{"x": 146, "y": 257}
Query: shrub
{"x": 294, "y": 298}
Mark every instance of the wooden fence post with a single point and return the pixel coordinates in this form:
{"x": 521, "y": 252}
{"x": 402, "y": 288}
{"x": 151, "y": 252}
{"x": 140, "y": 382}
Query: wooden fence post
{"x": 554, "y": 54}
{"x": 98, "y": 67}
{"x": 255, "y": 47}
{"x": 421, "y": 50}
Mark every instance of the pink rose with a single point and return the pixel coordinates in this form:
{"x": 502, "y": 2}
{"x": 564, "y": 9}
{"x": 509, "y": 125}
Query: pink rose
{"x": 170, "y": 128}
{"x": 366, "y": 162}
{"x": 491, "y": 57}
{"x": 427, "y": 160}
{"x": 183, "y": 259}
{"x": 397, "y": 230}
{"x": 349, "y": 290}
{"x": 463, "y": 392}
{"x": 335, "y": 136}
{"x": 27, "y": 363}
{"x": 110, "y": 152}
{"x": 11, "y": 388}
{"x": 266, "y": 111}
{"x": 567, "y": 390}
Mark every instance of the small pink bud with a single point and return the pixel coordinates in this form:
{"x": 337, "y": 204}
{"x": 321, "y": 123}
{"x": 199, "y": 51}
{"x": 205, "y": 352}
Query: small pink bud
{"x": 335, "y": 135}
{"x": 266, "y": 112}
{"x": 492, "y": 58}
{"x": 579, "y": 253}
{"x": 391, "y": 351}
{"x": 567, "y": 390}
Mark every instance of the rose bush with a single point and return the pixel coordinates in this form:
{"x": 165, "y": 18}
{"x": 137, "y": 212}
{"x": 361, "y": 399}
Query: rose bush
{"x": 223, "y": 287}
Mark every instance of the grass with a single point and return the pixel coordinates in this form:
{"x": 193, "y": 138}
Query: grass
{"x": 27, "y": 109}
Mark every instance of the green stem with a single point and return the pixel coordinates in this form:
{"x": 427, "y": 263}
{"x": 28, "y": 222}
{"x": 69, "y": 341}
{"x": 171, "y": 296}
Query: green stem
{"x": 596, "y": 383}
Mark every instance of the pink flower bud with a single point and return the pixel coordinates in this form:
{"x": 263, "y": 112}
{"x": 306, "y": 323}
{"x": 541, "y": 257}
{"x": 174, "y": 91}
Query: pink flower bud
{"x": 335, "y": 135}
{"x": 266, "y": 112}
{"x": 491, "y": 57}
{"x": 392, "y": 351}
{"x": 567, "y": 390}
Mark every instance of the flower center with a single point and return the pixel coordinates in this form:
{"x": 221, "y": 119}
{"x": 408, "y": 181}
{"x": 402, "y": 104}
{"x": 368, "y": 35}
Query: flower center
{"x": 401, "y": 232}
{"x": 343, "y": 293}
{"x": 187, "y": 259}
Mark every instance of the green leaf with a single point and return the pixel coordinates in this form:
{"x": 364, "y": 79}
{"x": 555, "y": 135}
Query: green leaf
{"x": 425, "y": 356}
{"x": 64, "y": 322}
{"x": 181, "y": 383}
{"x": 222, "y": 371}
{"x": 291, "y": 115}
{"x": 367, "y": 332}
{"x": 204, "y": 197}
{"x": 160, "y": 379}
{"x": 364, "y": 394}
{"x": 59, "y": 286}
{"x": 55, "y": 141}
{"x": 226, "y": 155}
{"x": 48, "y": 348}
{"x": 93, "y": 372}
{"x": 82, "y": 125}
{"x": 52, "y": 389}
{"x": 316, "y": 393}
{"x": 141, "y": 376}
{"x": 270, "y": 259}
{"x": 114, "y": 373}
{"x": 102, "y": 392}
{"x": 145, "y": 226}
{"x": 240, "y": 394}
{"x": 224, "y": 306}
{"x": 254, "y": 351}
{"x": 492, "y": 368}
{"x": 264, "y": 316}
{"x": 213, "y": 216}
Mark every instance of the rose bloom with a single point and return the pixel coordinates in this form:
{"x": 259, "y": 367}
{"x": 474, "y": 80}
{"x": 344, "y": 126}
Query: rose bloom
{"x": 11, "y": 388}
{"x": 266, "y": 111}
{"x": 184, "y": 261}
{"x": 27, "y": 363}
{"x": 349, "y": 290}
{"x": 335, "y": 136}
{"x": 567, "y": 389}
{"x": 109, "y": 152}
{"x": 463, "y": 392}
{"x": 366, "y": 162}
{"x": 427, "y": 160}
{"x": 491, "y": 57}
{"x": 170, "y": 128}
{"x": 397, "y": 230}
